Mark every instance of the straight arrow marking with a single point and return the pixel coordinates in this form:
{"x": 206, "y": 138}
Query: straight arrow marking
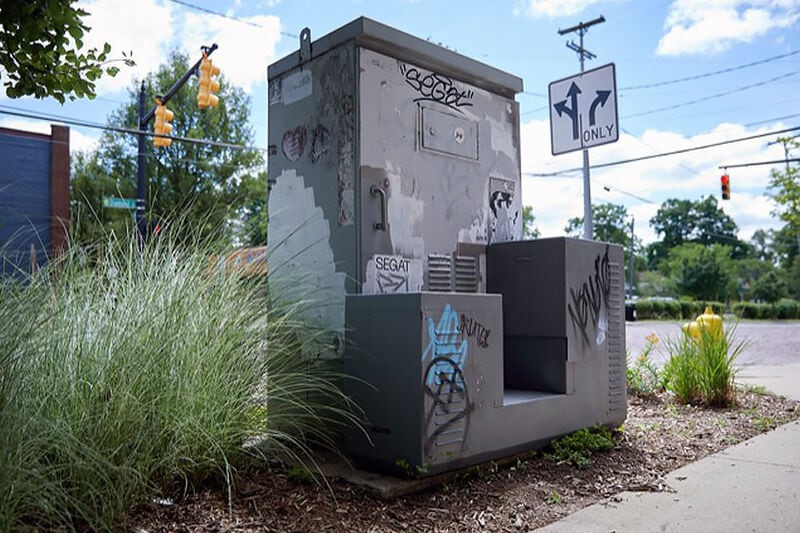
{"x": 571, "y": 112}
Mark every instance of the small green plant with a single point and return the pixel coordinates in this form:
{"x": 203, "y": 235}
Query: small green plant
{"x": 301, "y": 475}
{"x": 764, "y": 423}
{"x": 761, "y": 390}
{"x": 642, "y": 374}
{"x": 578, "y": 447}
{"x": 408, "y": 469}
{"x": 554, "y": 497}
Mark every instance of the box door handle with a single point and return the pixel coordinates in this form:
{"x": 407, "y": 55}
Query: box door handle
{"x": 375, "y": 190}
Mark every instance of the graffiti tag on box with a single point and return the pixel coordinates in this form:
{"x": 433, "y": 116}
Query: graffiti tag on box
{"x": 588, "y": 306}
{"x": 470, "y": 327}
{"x": 435, "y": 87}
{"x": 447, "y": 417}
{"x": 389, "y": 274}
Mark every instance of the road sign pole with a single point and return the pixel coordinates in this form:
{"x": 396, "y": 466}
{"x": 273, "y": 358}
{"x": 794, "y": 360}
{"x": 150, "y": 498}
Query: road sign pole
{"x": 587, "y": 198}
{"x": 141, "y": 178}
{"x": 583, "y": 53}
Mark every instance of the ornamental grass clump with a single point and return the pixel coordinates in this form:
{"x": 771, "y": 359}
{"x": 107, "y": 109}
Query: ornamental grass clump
{"x": 140, "y": 373}
{"x": 700, "y": 369}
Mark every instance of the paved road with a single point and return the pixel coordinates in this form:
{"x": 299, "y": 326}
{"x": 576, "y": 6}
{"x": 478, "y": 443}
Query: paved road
{"x": 766, "y": 342}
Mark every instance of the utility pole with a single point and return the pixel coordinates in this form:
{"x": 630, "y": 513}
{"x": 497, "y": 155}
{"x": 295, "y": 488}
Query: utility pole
{"x": 584, "y": 54}
{"x": 630, "y": 269}
{"x": 785, "y": 143}
{"x": 144, "y": 118}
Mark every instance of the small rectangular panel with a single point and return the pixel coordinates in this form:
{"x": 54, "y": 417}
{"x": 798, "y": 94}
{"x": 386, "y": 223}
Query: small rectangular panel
{"x": 448, "y": 134}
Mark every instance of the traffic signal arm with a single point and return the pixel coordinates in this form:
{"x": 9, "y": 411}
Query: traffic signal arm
{"x": 144, "y": 119}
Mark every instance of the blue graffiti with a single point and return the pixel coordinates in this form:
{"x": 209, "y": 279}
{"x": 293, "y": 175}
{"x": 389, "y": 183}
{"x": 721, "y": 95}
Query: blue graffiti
{"x": 445, "y": 342}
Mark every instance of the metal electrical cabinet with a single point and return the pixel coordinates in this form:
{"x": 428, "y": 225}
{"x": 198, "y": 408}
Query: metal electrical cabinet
{"x": 395, "y": 199}
{"x": 393, "y": 161}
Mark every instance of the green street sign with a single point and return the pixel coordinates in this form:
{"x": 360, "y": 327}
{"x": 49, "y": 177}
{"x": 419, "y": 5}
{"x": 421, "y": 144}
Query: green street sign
{"x": 119, "y": 203}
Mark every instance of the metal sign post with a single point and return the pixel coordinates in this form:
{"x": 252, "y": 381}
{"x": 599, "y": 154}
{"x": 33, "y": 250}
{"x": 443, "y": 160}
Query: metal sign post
{"x": 583, "y": 54}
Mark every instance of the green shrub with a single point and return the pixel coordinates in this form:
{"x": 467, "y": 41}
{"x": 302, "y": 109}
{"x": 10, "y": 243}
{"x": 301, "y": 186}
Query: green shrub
{"x": 690, "y": 309}
{"x": 787, "y": 308}
{"x": 124, "y": 379}
{"x": 656, "y": 309}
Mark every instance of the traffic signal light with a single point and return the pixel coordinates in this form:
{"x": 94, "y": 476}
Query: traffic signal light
{"x": 162, "y": 125}
{"x": 725, "y": 181}
{"x": 207, "y": 86}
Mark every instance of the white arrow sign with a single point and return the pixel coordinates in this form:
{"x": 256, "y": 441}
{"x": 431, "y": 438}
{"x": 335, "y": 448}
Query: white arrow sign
{"x": 583, "y": 110}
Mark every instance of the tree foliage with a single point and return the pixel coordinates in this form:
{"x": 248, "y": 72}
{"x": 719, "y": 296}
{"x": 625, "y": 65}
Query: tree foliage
{"x": 211, "y": 187}
{"x": 701, "y": 221}
{"x": 610, "y": 223}
{"x": 529, "y": 229}
{"x": 785, "y": 188}
{"x": 702, "y": 272}
{"x": 769, "y": 287}
{"x": 41, "y": 51}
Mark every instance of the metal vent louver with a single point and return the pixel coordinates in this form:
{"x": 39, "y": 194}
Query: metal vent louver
{"x": 616, "y": 343}
{"x": 439, "y": 272}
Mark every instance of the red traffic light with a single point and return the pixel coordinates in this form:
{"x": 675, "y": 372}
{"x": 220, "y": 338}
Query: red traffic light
{"x": 725, "y": 182}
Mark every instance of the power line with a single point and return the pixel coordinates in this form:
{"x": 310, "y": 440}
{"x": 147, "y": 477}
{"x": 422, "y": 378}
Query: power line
{"x": 709, "y": 74}
{"x": 663, "y": 154}
{"x": 690, "y": 169}
{"x": 713, "y": 96}
{"x": 6, "y": 110}
{"x": 771, "y": 120}
{"x": 609, "y": 188}
{"x": 779, "y": 161}
{"x": 230, "y": 17}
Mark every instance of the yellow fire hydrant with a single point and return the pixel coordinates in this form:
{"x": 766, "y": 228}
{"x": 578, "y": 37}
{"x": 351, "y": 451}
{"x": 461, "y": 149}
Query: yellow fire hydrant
{"x": 708, "y": 321}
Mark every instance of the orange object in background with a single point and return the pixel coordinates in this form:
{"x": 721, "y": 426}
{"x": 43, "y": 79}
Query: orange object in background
{"x": 244, "y": 261}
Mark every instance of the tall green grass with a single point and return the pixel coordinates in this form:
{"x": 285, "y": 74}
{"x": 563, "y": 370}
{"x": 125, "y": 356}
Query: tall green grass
{"x": 140, "y": 372}
{"x": 701, "y": 371}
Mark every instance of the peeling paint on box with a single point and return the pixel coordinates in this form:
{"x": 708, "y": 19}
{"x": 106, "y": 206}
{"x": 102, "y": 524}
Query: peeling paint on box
{"x": 300, "y": 254}
{"x": 405, "y": 214}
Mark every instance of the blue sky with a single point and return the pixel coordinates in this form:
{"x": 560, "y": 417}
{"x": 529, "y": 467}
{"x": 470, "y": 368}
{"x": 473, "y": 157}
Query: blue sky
{"x": 653, "y": 44}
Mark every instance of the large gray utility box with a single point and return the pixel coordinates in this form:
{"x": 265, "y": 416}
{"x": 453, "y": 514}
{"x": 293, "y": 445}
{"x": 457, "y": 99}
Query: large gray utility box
{"x": 395, "y": 200}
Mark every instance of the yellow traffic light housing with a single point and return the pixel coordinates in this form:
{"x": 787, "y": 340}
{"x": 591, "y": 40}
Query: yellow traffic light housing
{"x": 162, "y": 125}
{"x": 207, "y": 86}
{"x": 725, "y": 182}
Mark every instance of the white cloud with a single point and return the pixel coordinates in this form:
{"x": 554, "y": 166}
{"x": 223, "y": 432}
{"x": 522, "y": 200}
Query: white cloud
{"x": 246, "y": 46}
{"x": 77, "y": 140}
{"x": 691, "y": 175}
{"x": 145, "y": 27}
{"x": 151, "y": 28}
{"x": 553, "y": 8}
{"x": 712, "y": 26}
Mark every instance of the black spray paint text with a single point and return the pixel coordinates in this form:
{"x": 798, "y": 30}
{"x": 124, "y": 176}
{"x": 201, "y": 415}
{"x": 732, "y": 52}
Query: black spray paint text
{"x": 436, "y": 88}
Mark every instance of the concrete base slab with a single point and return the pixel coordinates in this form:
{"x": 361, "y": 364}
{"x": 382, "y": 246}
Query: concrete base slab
{"x": 754, "y": 486}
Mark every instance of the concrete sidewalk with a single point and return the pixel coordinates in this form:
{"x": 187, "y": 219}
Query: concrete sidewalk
{"x": 754, "y": 486}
